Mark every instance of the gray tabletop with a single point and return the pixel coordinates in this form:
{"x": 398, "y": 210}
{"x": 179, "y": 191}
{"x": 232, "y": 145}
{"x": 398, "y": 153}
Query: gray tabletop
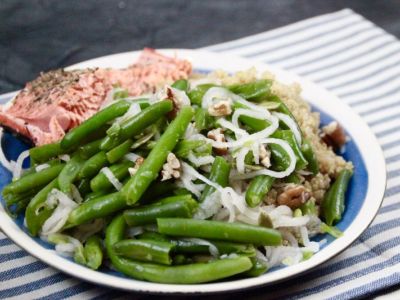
{"x": 41, "y": 35}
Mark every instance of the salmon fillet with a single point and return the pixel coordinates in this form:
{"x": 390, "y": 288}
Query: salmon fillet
{"x": 60, "y": 100}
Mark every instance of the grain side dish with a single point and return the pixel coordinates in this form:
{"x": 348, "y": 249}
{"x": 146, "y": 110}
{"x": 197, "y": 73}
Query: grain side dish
{"x": 201, "y": 178}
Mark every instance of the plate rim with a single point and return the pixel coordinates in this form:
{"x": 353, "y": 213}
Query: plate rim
{"x": 23, "y": 240}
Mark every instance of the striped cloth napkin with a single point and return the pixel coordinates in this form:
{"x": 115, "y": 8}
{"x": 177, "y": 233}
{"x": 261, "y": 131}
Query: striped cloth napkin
{"x": 359, "y": 62}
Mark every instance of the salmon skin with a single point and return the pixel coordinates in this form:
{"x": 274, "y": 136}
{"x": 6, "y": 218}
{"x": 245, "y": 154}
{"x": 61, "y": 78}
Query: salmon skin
{"x": 60, "y": 100}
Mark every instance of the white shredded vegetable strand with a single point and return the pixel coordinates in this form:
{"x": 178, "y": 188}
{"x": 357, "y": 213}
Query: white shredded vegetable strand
{"x": 291, "y": 124}
{"x": 64, "y": 157}
{"x": 212, "y": 248}
{"x": 17, "y": 172}
{"x": 76, "y": 195}
{"x": 200, "y": 160}
{"x": 132, "y": 156}
{"x": 111, "y": 177}
{"x": 272, "y": 173}
{"x": 60, "y": 215}
{"x": 41, "y": 167}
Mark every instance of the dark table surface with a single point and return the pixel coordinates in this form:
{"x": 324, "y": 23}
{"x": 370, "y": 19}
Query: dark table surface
{"x": 41, "y": 35}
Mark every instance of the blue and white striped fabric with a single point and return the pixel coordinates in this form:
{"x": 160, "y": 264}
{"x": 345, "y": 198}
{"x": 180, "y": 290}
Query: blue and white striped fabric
{"x": 359, "y": 62}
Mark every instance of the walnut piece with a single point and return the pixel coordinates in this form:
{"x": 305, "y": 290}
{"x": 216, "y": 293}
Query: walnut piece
{"x": 333, "y": 135}
{"x": 218, "y": 136}
{"x": 138, "y": 162}
{"x": 294, "y": 196}
{"x": 220, "y": 108}
{"x": 265, "y": 157}
{"x": 171, "y": 169}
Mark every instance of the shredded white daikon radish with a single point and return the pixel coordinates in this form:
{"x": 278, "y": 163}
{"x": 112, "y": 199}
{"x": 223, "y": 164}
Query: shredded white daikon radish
{"x": 134, "y": 231}
{"x": 64, "y": 157}
{"x": 132, "y": 156}
{"x": 200, "y": 160}
{"x": 17, "y": 172}
{"x": 219, "y": 94}
{"x": 209, "y": 207}
{"x": 133, "y": 110}
{"x": 76, "y": 195}
{"x": 9, "y": 165}
{"x": 110, "y": 97}
{"x": 180, "y": 97}
{"x": 212, "y": 248}
{"x": 312, "y": 246}
{"x": 41, "y": 167}
{"x": 248, "y": 137}
{"x": 287, "y": 235}
{"x": 291, "y": 124}
{"x": 272, "y": 173}
{"x": 189, "y": 170}
{"x": 60, "y": 215}
{"x": 240, "y": 158}
{"x": 262, "y": 114}
{"x": 228, "y": 125}
{"x": 111, "y": 177}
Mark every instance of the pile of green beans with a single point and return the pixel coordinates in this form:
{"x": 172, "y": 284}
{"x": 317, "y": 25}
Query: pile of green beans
{"x": 149, "y": 225}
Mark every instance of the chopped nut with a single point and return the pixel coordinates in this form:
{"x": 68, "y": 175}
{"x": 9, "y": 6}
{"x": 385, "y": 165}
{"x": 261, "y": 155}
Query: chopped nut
{"x": 265, "y": 156}
{"x": 171, "y": 169}
{"x": 221, "y": 108}
{"x": 178, "y": 99}
{"x": 333, "y": 135}
{"x": 294, "y": 196}
{"x": 218, "y": 136}
{"x": 138, "y": 162}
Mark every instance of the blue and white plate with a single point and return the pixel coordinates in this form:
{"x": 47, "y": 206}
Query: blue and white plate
{"x": 363, "y": 199}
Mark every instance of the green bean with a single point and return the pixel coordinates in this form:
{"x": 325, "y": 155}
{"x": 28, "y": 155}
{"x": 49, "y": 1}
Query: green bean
{"x": 309, "y": 208}
{"x": 78, "y": 134}
{"x": 94, "y": 195}
{"x": 183, "y": 206}
{"x": 70, "y": 173}
{"x": 334, "y": 201}
{"x": 258, "y": 268}
{"x": 145, "y": 250}
{"x": 118, "y": 152}
{"x": 181, "y": 84}
{"x": 151, "y": 235}
{"x": 96, "y": 208}
{"x": 90, "y": 149}
{"x": 219, "y": 174}
{"x": 157, "y": 189}
{"x": 41, "y": 154}
{"x": 310, "y": 156}
{"x": 293, "y": 178}
{"x": 234, "y": 232}
{"x": 152, "y": 165}
{"x": 84, "y": 187}
{"x": 36, "y": 212}
{"x": 32, "y": 169}
{"x": 11, "y": 199}
{"x": 137, "y": 123}
{"x": 93, "y": 252}
{"x": 200, "y": 119}
{"x": 254, "y": 123}
{"x": 184, "y": 147}
{"x": 93, "y": 165}
{"x": 101, "y": 182}
{"x": 196, "y": 95}
{"x": 256, "y": 91}
{"x": 33, "y": 181}
{"x": 185, "y": 274}
{"x": 258, "y": 188}
{"x": 280, "y": 159}
{"x": 224, "y": 247}
{"x": 288, "y": 136}
{"x": 180, "y": 259}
